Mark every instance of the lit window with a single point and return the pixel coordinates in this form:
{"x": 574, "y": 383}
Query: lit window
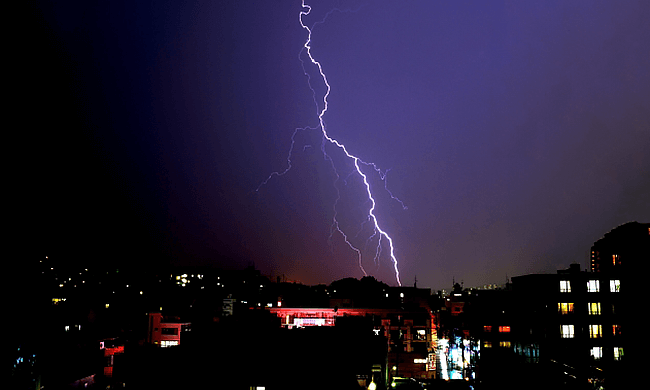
{"x": 505, "y": 344}
{"x": 593, "y": 308}
{"x": 593, "y": 286}
{"x": 168, "y": 343}
{"x": 614, "y": 285}
{"x": 616, "y": 330}
{"x": 487, "y": 328}
{"x": 595, "y": 331}
{"x": 565, "y": 307}
{"x": 504, "y": 329}
{"x": 616, "y": 260}
{"x": 597, "y": 352}
{"x": 567, "y": 331}
{"x": 565, "y": 286}
{"x": 618, "y": 353}
{"x": 487, "y": 344}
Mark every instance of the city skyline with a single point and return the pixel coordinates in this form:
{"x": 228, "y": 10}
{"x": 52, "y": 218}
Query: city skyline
{"x": 517, "y": 135}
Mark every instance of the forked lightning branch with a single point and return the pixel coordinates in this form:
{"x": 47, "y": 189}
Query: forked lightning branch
{"x": 380, "y": 235}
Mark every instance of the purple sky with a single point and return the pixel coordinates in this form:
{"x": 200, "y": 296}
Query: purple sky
{"x": 517, "y": 133}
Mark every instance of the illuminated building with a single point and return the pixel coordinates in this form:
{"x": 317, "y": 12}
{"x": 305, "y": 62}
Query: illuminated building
{"x": 458, "y": 346}
{"x": 573, "y": 319}
{"x": 110, "y": 348}
{"x": 164, "y": 333}
{"x": 410, "y": 335}
{"x": 624, "y": 246}
{"x": 576, "y": 325}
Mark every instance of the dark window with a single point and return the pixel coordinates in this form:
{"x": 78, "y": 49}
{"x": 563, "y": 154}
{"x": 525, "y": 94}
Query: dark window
{"x": 419, "y": 348}
{"x": 169, "y": 331}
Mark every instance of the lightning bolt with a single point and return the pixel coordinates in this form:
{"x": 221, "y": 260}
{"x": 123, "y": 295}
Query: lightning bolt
{"x": 378, "y": 232}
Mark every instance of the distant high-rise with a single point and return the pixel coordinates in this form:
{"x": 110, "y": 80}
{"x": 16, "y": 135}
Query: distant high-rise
{"x": 624, "y": 247}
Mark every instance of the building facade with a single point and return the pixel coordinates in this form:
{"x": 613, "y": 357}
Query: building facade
{"x": 410, "y": 335}
{"x": 573, "y": 317}
{"x": 164, "y": 333}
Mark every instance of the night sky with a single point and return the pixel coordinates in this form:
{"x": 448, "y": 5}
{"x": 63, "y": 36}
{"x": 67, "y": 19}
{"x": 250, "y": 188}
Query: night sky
{"x": 516, "y": 133}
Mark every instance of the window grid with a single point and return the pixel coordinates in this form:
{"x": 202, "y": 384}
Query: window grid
{"x": 597, "y": 352}
{"x": 593, "y": 308}
{"x": 565, "y": 286}
{"x": 595, "y": 331}
{"x": 565, "y": 307}
{"x": 567, "y": 331}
